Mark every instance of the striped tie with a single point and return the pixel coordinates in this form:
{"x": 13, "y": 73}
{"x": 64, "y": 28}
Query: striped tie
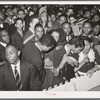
{"x": 18, "y": 79}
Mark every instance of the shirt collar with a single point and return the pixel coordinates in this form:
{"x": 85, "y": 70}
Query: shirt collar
{"x": 38, "y": 46}
{"x": 3, "y": 44}
{"x": 18, "y": 64}
{"x": 31, "y": 30}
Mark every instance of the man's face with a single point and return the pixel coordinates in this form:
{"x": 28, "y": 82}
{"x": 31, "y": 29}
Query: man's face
{"x": 10, "y": 12}
{"x": 77, "y": 50}
{"x": 96, "y": 29}
{"x": 5, "y": 38}
{"x": 87, "y": 14}
{"x": 39, "y": 32}
{"x": 62, "y": 19}
{"x": 11, "y": 54}
{"x": 67, "y": 28}
{"x": 96, "y": 18}
{"x": 87, "y": 28}
{"x": 21, "y": 14}
{"x": 19, "y": 24}
{"x": 53, "y": 18}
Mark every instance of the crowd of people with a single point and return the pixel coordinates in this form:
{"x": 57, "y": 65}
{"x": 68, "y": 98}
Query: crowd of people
{"x": 45, "y": 45}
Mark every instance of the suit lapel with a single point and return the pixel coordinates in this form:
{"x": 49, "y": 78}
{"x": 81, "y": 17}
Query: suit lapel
{"x": 9, "y": 73}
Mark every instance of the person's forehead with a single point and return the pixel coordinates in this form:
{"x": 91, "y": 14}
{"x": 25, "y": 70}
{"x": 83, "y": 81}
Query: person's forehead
{"x": 87, "y": 24}
{"x": 10, "y": 48}
{"x": 66, "y": 25}
{"x": 20, "y": 12}
{"x": 39, "y": 28}
{"x": 4, "y": 32}
{"x": 18, "y": 21}
{"x": 70, "y": 10}
{"x": 53, "y": 15}
{"x": 62, "y": 17}
{"x": 55, "y": 33}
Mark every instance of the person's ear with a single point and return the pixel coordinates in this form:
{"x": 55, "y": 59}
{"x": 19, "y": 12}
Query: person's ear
{"x": 19, "y": 53}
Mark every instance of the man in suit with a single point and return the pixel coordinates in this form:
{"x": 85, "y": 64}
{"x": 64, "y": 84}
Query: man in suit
{"x": 4, "y": 40}
{"x": 17, "y": 36}
{"x": 16, "y": 75}
{"x": 32, "y": 52}
{"x": 33, "y": 20}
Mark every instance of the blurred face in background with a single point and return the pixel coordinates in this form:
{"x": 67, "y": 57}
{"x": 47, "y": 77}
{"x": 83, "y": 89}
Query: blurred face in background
{"x": 87, "y": 14}
{"x": 39, "y": 32}
{"x": 96, "y": 30}
{"x": 53, "y": 18}
{"x": 9, "y": 12}
{"x": 87, "y": 28}
{"x": 62, "y": 19}
{"x": 70, "y": 11}
{"x": 4, "y": 37}
{"x": 19, "y": 25}
{"x": 21, "y": 14}
{"x": 96, "y": 18}
{"x": 67, "y": 28}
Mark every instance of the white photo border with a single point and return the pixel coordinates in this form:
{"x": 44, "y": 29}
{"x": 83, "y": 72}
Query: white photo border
{"x": 51, "y": 94}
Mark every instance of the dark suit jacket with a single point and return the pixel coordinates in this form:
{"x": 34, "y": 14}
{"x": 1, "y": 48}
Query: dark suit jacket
{"x": 33, "y": 55}
{"x": 2, "y": 53}
{"x": 27, "y": 34}
{"x": 17, "y": 40}
{"x": 29, "y": 78}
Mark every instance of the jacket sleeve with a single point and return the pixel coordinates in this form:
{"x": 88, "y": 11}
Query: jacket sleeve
{"x": 35, "y": 80}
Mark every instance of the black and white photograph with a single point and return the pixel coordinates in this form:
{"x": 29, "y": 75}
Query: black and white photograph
{"x": 49, "y": 47}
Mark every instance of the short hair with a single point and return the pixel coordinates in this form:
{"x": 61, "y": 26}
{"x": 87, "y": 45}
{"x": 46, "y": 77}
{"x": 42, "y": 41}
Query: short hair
{"x": 63, "y": 15}
{"x": 47, "y": 40}
{"x": 18, "y": 19}
{"x": 2, "y": 30}
{"x": 86, "y": 38}
{"x": 78, "y": 41}
{"x": 66, "y": 23}
{"x": 38, "y": 25}
{"x": 11, "y": 44}
{"x": 88, "y": 23}
{"x": 20, "y": 10}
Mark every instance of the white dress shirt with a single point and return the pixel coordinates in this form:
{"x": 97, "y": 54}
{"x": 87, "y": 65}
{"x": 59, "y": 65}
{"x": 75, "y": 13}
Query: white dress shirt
{"x": 17, "y": 67}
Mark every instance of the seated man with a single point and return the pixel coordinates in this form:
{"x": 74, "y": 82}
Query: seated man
{"x": 16, "y": 75}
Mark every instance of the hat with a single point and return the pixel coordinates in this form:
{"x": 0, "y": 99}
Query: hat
{"x": 42, "y": 10}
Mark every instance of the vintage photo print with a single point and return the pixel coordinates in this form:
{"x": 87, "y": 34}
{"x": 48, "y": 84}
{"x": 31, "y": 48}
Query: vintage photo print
{"x": 50, "y": 49}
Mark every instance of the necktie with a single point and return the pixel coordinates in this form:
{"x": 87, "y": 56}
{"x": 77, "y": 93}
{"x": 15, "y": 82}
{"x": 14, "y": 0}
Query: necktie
{"x": 17, "y": 79}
